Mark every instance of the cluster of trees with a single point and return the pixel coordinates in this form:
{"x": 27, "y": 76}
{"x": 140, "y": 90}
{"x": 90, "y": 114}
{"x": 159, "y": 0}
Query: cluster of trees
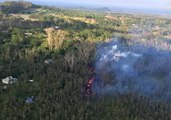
{"x": 55, "y": 38}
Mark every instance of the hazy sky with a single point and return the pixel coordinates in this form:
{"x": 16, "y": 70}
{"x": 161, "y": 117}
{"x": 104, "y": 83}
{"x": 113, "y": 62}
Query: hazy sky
{"x": 153, "y": 4}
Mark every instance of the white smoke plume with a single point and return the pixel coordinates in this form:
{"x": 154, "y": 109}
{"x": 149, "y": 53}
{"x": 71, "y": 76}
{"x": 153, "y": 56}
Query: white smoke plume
{"x": 138, "y": 69}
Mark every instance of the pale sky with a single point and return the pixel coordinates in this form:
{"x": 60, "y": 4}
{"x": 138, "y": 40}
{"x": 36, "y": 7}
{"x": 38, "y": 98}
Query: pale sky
{"x": 153, "y": 4}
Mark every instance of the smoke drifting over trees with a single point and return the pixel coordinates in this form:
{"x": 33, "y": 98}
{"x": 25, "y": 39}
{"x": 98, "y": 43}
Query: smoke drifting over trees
{"x": 138, "y": 69}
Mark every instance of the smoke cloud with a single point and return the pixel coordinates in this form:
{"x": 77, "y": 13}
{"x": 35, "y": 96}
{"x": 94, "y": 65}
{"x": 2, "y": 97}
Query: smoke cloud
{"x": 138, "y": 69}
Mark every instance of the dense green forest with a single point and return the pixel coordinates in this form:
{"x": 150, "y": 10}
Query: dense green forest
{"x": 31, "y": 35}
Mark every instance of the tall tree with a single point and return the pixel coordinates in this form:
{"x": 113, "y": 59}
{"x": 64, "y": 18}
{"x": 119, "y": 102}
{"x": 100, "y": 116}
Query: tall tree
{"x": 55, "y": 38}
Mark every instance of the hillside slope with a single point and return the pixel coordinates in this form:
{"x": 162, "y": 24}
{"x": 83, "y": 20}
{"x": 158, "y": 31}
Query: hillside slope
{"x": 8, "y": 7}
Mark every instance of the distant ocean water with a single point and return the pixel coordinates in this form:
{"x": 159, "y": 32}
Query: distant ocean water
{"x": 146, "y": 11}
{"x": 113, "y": 8}
{"x": 95, "y": 6}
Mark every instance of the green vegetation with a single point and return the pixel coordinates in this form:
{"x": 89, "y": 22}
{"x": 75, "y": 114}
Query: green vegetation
{"x": 69, "y": 38}
{"x": 8, "y": 7}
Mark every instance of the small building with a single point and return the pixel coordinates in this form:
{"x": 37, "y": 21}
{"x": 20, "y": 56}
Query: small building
{"x": 56, "y": 27}
{"x": 30, "y": 100}
{"x": 31, "y": 80}
{"x": 156, "y": 28}
{"x": 49, "y": 61}
{"x": 4, "y": 31}
{"x": 134, "y": 25}
{"x": 9, "y": 80}
{"x": 28, "y": 34}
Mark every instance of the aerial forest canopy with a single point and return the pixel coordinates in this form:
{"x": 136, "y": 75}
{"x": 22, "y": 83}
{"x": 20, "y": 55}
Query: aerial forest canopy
{"x": 48, "y": 56}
